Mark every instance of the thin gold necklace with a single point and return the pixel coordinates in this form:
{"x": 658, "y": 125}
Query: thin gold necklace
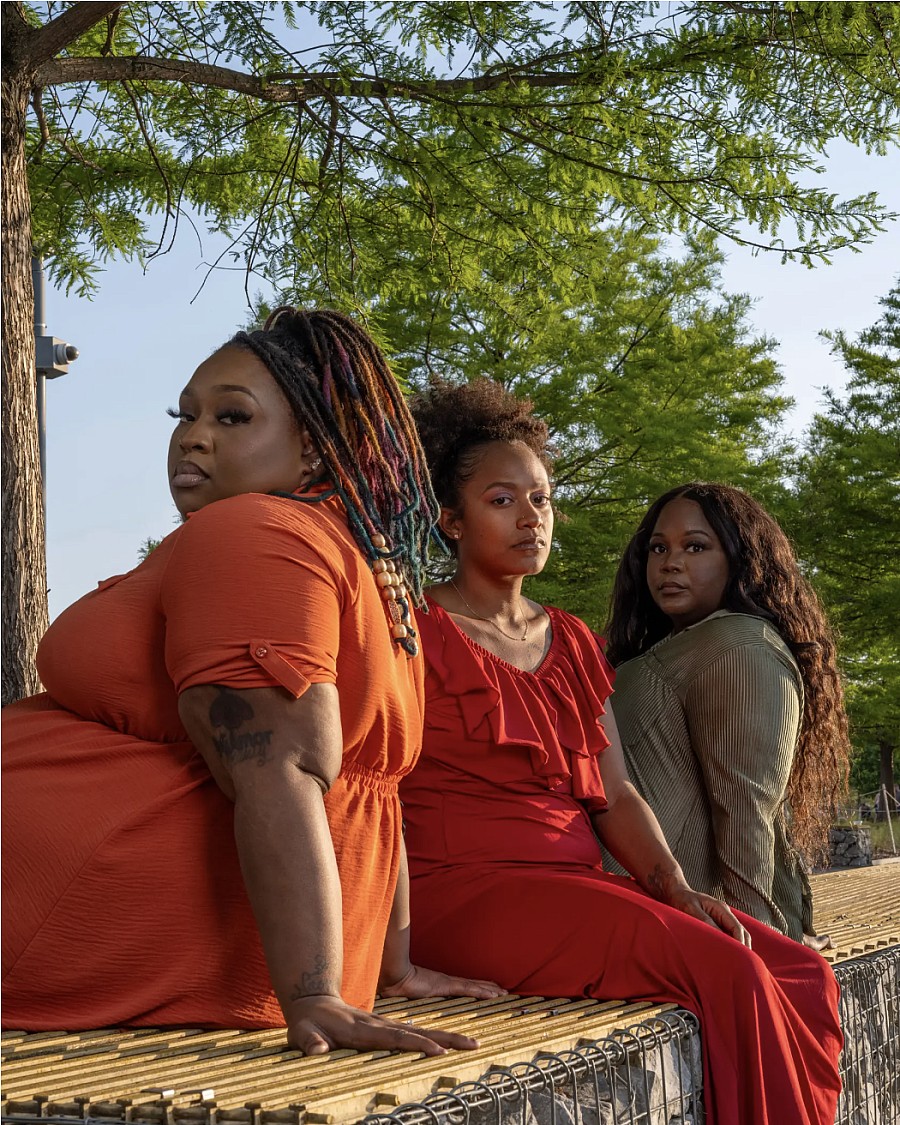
{"x": 524, "y": 636}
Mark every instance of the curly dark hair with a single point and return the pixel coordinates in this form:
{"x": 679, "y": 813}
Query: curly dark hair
{"x": 764, "y": 581}
{"x": 456, "y": 421}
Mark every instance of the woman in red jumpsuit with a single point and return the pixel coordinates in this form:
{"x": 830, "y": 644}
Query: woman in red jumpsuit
{"x": 521, "y": 772}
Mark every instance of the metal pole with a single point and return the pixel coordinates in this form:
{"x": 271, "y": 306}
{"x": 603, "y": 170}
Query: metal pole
{"x": 40, "y": 329}
{"x": 887, "y": 813}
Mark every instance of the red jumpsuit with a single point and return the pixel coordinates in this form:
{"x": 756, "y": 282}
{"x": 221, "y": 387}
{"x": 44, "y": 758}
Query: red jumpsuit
{"x": 507, "y": 882}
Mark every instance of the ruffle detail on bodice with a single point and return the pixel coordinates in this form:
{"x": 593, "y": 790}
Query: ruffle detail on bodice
{"x": 553, "y": 713}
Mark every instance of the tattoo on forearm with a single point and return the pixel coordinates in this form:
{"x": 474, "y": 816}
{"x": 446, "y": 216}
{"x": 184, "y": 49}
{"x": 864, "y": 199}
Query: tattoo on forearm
{"x": 317, "y": 983}
{"x": 656, "y": 880}
{"x": 230, "y": 710}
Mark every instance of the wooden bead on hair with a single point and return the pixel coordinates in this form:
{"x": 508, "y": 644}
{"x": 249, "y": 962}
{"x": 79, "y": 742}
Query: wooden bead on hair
{"x": 395, "y": 596}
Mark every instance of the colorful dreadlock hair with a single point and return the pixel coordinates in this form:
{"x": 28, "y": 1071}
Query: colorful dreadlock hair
{"x": 342, "y": 390}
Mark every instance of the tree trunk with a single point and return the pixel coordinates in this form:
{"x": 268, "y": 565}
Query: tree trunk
{"x": 24, "y": 608}
{"x": 886, "y": 778}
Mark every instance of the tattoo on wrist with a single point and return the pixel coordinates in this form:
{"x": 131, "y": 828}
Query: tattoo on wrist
{"x": 656, "y": 881}
{"x": 317, "y": 983}
{"x": 231, "y": 710}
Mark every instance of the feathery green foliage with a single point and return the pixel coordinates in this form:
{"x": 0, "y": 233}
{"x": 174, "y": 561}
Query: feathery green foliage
{"x": 846, "y": 520}
{"x": 147, "y": 548}
{"x": 486, "y": 185}
{"x": 645, "y": 371}
{"x": 451, "y": 130}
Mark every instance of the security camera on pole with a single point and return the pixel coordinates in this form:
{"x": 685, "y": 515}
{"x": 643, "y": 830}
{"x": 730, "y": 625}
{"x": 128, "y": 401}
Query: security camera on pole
{"x": 52, "y": 359}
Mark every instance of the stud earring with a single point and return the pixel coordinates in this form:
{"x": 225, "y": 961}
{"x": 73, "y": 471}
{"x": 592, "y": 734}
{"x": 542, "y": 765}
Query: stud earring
{"x": 312, "y": 468}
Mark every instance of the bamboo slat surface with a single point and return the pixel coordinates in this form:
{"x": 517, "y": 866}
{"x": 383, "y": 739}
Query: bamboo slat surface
{"x": 250, "y": 1076}
{"x": 859, "y": 908}
{"x": 170, "y": 1076}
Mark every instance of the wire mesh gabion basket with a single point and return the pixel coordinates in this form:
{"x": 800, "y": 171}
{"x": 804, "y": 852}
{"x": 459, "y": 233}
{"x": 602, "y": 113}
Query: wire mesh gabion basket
{"x": 651, "y": 1073}
{"x": 870, "y": 1019}
{"x": 584, "y": 1073}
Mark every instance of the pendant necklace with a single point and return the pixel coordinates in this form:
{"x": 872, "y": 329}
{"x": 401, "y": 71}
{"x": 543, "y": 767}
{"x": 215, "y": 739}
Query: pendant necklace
{"x": 524, "y": 636}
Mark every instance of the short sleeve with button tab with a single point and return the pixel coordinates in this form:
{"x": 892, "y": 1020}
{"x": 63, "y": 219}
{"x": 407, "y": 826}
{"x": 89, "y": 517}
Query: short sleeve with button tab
{"x": 252, "y": 596}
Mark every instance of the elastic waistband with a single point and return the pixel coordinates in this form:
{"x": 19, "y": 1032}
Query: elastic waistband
{"x": 371, "y": 779}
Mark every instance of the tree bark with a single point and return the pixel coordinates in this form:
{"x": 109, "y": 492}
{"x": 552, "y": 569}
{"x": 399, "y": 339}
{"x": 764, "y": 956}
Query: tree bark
{"x": 886, "y": 778}
{"x": 277, "y": 87}
{"x": 24, "y": 608}
{"x": 43, "y": 43}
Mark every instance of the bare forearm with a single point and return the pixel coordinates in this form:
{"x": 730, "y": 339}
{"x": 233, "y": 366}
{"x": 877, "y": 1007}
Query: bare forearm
{"x": 287, "y": 860}
{"x": 395, "y": 963}
{"x": 632, "y": 835}
{"x": 275, "y": 757}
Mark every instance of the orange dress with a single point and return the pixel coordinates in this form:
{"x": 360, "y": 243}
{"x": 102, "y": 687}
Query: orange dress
{"x": 123, "y": 897}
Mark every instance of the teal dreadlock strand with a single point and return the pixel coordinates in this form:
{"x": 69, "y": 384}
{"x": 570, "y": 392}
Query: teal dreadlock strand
{"x": 329, "y": 369}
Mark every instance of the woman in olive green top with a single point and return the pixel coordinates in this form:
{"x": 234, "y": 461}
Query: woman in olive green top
{"x": 728, "y": 700}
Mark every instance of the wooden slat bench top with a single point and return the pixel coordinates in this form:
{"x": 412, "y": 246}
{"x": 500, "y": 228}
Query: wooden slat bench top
{"x": 129, "y": 1068}
{"x": 859, "y": 908}
{"x": 170, "y": 1076}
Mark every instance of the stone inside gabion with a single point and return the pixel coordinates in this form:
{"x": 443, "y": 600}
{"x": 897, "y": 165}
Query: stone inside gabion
{"x": 850, "y": 846}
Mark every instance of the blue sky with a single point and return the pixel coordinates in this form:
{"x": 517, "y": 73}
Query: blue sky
{"x": 146, "y": 331}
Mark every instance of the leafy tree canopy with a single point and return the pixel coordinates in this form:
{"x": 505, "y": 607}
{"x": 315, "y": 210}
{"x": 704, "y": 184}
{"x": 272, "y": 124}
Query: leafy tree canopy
{"x": 846, "y": 520}
{"x": 509, "y": 156}
{"x": 451, "y": 129}
{"x": 147, "y": 548}
{"x": 645, "y": 371}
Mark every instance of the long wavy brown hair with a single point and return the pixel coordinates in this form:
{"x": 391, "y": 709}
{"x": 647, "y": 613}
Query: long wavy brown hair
{"x": 764, "y": 581}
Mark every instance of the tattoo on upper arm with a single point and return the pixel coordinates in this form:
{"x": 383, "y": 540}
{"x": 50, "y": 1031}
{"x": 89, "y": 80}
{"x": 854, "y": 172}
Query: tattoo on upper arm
{"x": 317, "y": 983}
{"x": 231, "y": 710}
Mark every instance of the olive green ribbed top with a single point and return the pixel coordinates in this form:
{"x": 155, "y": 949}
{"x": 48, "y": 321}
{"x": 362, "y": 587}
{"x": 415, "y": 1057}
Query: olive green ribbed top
{"x": 709, "y": 719}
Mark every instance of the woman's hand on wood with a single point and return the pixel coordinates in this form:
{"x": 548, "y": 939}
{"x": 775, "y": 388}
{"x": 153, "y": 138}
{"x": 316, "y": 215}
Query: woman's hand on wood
{"x": 318, "y": 1024}
{"x": 418, "y": 983}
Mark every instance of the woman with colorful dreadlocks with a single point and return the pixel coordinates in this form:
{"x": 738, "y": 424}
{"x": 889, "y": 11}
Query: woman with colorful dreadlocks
{"x": 201, "y": 822}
